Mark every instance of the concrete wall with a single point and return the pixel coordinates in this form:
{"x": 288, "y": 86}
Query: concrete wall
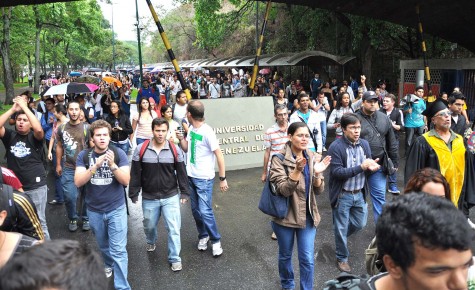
{"x": 240, "y": 125}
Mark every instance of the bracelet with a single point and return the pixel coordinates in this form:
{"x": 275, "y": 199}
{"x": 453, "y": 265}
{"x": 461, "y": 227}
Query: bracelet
{"x": 92, "y": 171}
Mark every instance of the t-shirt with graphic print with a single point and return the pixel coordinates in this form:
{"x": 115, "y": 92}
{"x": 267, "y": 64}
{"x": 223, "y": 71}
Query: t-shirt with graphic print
{"x": 202, "y": 143}
{"x": 103, "y": 192}
{"x": 74, "y": 138}
{"x": 24, "y": 158}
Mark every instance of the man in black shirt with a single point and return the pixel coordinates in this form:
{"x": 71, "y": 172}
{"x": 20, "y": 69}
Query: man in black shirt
{"x": 25, "y": 154}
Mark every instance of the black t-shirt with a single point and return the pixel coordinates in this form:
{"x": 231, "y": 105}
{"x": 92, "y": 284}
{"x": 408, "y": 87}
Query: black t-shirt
{"x": 23, "y": 157}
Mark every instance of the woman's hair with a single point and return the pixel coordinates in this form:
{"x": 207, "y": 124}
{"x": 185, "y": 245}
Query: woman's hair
{"x": 164, "y": 109}
{"x": 140, "y": 107}
{"x": 60, "y": 108}
{"x": 294, "y": 127}
{"x": 118, "y": 105}
{"x": 423, "y": 176}
{"x": 340, "y": 99}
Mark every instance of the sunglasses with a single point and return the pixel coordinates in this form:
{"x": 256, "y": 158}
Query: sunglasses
{"x": 444, "y": 114}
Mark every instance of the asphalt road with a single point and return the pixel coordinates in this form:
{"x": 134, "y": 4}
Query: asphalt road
{"x": 249, "y": 260}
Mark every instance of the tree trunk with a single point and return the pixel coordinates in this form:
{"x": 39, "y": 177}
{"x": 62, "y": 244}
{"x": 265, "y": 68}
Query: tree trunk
{"x": 36, "y": 87}
{"x": 5, "y": 52}
{"x": 367, "y": 58}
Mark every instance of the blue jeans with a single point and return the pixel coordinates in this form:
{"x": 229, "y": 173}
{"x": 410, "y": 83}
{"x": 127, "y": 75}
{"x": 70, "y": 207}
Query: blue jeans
{"x": 110, "y": 230}
{"x": 170, "y": 208}
{"x": 201, "y": 197}
{"x": 139, "y": 141}
{"x": 305, "y": 249}
{"x": 377, "y": 188}
{"x": 58, "y": 180}
{"x": 71, "y": 195}
{"x": 124, "y": 147}
{"x": 38, "y": 196}
{"x": 323, "y": 128}
{"x": 348, "y": 218}
{"x": 392, "y": 179}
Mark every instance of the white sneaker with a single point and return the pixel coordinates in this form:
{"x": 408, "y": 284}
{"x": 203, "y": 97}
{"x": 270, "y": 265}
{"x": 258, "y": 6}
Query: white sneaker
{"x": 176, "y": 266}
{"x": 203, "y": 244}
{"x": 217, "y": 249}
{"x": 108, "y": 272}
{"x": 471, "y": 224}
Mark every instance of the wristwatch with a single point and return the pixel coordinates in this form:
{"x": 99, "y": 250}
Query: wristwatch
{"x": 114, "y": 168}
{"x": 223, "y": 178}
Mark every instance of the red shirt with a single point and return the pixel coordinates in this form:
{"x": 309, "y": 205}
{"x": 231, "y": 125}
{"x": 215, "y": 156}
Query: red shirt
{"x": 10, "y": 178}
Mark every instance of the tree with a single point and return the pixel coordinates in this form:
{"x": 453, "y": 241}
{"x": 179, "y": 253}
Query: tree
{"x": 5, "y": 52}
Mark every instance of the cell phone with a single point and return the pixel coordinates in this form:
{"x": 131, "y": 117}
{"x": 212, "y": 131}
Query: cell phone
{"x": 337, "y": 120}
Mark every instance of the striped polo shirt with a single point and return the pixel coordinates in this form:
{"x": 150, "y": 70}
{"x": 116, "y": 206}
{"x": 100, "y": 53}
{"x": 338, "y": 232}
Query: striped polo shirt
{"x": 275, "y": 139}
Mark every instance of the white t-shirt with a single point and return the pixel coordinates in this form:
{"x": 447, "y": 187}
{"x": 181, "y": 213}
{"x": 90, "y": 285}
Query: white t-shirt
{"x": 179, "y": 113}
{"x": 202, "y": 143}
{"x": 176, "y": 87}
{"x": 214, "y": 90}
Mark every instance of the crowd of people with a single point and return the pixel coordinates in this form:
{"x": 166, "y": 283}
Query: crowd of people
{"x": 89, "y": 137}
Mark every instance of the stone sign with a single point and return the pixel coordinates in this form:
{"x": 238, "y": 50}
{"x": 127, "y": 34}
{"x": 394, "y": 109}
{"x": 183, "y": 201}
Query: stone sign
{"x": 240, "y": 124}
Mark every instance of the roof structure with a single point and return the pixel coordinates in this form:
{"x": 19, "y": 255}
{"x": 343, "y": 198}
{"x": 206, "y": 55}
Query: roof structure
{"x": 450, "y": 20}
{"x": 317, "y": 58}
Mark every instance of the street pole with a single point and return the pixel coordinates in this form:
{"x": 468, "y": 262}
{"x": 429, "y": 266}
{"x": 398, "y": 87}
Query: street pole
{"x": 113, "y": 39}
{"x": 138, "y": 41}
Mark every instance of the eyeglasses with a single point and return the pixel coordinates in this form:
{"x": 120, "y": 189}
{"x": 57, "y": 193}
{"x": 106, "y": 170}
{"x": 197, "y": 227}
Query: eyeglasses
{"x": 282, "y": 115}
{"x": 354, "y": 128}
{"x": 444, "y": 114}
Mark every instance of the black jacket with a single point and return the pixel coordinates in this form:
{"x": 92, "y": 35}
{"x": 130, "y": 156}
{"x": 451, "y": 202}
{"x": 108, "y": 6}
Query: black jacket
{"x": 386, "y": 136}
{"x": 460, "y": 126}
{"x": 124, "y": 123}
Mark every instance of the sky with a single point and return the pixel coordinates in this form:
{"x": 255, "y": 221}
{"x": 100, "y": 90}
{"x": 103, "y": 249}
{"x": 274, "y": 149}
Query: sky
{"x": 124, "y": 15}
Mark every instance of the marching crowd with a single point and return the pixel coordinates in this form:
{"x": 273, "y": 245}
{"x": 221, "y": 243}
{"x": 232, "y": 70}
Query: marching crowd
{"x": 88, "y": 138}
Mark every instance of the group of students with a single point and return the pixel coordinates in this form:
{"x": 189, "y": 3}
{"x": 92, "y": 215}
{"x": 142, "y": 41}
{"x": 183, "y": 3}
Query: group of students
{"x": 92, "y": 171}
{"x": 359, "y": 168}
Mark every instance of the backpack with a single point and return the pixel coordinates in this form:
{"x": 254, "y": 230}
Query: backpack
{"x": 147, "y": 142}
{"x": 373, "y": 261}
{"x": 347, "y": 281}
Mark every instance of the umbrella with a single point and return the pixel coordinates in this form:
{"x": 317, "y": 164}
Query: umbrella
{"x": 264, "y": 71}
{"x": 53, "y": 81}
{"x": 88, "y": 79}
{"x": 75, "y": 74}
{"x": 156, "y": 69}
{"x": 71, "y": 88}
{"x": 112, "y": 80}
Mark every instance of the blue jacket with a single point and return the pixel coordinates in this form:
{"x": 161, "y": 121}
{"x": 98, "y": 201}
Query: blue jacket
{"x": 339, "y": 173}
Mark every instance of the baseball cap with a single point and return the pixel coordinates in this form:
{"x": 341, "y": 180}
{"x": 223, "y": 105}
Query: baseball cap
{"x": 369, "y": 95}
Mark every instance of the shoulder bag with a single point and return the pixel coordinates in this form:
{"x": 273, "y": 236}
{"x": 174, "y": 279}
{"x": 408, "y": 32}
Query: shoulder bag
{"x": 388, "y": 165}
{"x": 271, "y": 203}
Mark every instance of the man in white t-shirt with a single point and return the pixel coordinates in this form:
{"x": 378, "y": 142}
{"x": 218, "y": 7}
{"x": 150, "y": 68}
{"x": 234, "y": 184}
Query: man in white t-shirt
{"x": 203, "y": 151}
{"x": 214, "y": 90}
{"x": 179, "y": 108}
{"x": 175, "y": 87}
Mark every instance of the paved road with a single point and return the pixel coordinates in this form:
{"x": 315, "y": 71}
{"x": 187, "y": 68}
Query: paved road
{"x": 249, "y": 260}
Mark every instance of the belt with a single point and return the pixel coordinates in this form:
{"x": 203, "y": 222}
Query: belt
{"x": 352, "y": 191}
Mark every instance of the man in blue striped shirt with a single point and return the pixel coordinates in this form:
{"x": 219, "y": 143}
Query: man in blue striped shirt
{"x": 351, "y": 163}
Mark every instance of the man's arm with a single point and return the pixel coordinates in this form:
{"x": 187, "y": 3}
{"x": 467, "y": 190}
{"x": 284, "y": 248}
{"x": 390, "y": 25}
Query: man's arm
{"x": 59, "y": 156}
{"x": 266, "y": 162}
{"x": 223, "y": 184}
{"x": 6, "y": 116}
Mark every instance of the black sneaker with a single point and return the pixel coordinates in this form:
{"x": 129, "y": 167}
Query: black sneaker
{"x": 73, "y": 225}
{"x": 55, "y": 202}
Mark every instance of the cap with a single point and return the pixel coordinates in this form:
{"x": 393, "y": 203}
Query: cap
{"x": 369, "y": 95}
{"x": 434, "y": 108}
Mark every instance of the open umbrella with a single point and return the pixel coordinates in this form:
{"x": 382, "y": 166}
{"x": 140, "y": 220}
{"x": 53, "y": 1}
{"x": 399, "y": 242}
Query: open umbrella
{"x": 71, "y": 88}
{"x": 88, "y": 79}
{"x": 110, "y": 80}
{"x": 264, "y": 71}
{"x": 75, "y": 74}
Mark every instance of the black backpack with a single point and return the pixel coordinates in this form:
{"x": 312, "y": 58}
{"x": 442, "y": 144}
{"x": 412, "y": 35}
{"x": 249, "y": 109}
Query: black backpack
{"x": 347, "y": 281}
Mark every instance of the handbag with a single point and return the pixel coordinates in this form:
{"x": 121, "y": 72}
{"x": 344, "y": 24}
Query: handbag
{"x": 313, "y": 133}
{"x": 388, "y": 165}
{"x": 271, "y": 203}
